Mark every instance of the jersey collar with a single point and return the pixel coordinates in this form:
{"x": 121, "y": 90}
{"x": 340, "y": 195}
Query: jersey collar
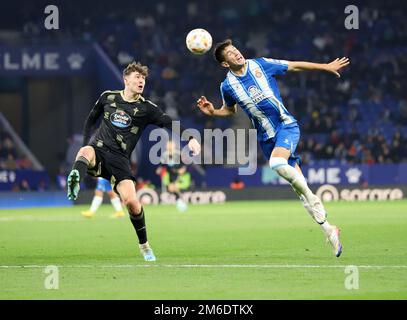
{"x": 139, "y": 98}
{"x": 246, "y": 65}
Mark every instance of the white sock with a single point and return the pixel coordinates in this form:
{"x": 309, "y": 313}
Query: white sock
{"x": 96, "y": 202}
{"x": 117, "y": 205}
{"x": 326, "y": 227}
{"x": 310, "y": 201}
{"x": 297, "y": 180}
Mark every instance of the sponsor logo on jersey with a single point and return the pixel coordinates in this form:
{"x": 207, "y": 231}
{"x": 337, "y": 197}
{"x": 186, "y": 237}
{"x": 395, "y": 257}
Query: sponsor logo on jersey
{"x": 120, "y": 119}
{"x": 256, "y": 95}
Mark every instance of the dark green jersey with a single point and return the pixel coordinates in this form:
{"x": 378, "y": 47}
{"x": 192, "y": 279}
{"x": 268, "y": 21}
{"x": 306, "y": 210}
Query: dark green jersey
{"x": 122, "y": 122}
{"x": 172, "y": 161}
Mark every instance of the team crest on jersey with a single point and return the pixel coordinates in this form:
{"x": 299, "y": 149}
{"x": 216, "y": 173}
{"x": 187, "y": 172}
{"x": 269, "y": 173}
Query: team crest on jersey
{"x": 120, "y": 119}
{"x": 256, "y": 95}
{"x": 258, "y": 73}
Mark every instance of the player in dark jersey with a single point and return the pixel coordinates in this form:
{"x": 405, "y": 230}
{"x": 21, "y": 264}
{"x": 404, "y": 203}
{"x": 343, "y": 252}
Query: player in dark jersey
{"x": 124, "y": 114}
{"x": 173, "y": 170}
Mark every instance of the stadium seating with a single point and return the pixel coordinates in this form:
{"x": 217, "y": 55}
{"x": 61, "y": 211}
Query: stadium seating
{"x": 369, "y": 94}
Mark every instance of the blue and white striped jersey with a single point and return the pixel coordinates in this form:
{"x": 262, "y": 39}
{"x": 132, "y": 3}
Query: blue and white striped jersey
{"x": 256, "y": 92}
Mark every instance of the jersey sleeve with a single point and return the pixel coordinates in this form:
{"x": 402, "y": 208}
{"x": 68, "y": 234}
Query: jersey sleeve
{"x": 274, "y": 66}
{"x": 158, "y": 117}
{"x": 226, "y": 94}
{"x": 92, "y": 118}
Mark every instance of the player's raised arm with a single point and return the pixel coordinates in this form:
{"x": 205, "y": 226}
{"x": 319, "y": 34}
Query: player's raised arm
{"x": 91, "y": 120}
{"x": 332, "y": 67}
{"x": 207, "y": 108}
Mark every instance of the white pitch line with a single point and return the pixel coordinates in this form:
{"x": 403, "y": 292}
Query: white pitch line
{"x": 213, "y": 266}
{"x": 42, "y": 219}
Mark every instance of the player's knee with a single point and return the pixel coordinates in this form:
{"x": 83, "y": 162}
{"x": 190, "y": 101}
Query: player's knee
{"x": 277, "y": 162}
{"x": 280, "y": 165}
{"x": 133, "y": 205}
{"x": 86, "y": 152}
{"x": 98, "y": 193}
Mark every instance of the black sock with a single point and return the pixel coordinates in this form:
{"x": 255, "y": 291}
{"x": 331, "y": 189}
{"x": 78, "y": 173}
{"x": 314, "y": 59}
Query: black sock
{"x": 82, "y": 166}
{"x": 139, "y": 224}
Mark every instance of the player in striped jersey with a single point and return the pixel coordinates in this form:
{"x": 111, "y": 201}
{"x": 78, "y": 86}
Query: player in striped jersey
{"x": 251, "y": 84}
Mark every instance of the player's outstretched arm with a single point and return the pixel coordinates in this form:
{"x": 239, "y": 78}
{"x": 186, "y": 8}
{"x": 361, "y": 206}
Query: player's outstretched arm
{"x": 91, "y": 120}
{"x": 207, "y": 108}
{"x": 332, "y": 67}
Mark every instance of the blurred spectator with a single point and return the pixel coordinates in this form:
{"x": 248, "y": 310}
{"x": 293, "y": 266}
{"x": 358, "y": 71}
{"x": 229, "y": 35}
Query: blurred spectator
{"x": 61, "y": 179}
{"x": 10, "y": 157}
{"x": 141, "y": 183}
{"x": 10, "y": 162}
{"x": 339, "y": 111}
{"x": 24, "y": 186}
{"x": 42, "y": 186}
{"x": 24, "y": 163}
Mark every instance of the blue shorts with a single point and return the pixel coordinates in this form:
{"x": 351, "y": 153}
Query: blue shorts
{"x": 103, "y": 185}
{"x": 287, "y": 136}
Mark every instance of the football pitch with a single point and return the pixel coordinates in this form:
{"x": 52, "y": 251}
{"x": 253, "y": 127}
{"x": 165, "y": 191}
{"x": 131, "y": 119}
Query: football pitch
{"x": 238, "y": 250}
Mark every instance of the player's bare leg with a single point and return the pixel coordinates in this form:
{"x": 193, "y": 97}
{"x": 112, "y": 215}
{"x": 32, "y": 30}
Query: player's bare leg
{"x": 313, "y": 205}
{"x": 85, "y": 158}
{"x": 319, "y": 214}
{"x": 127, "y": 192}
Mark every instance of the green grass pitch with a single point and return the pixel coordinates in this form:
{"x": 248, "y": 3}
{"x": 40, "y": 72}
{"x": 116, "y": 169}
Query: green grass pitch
{"x": 237, "y": 250}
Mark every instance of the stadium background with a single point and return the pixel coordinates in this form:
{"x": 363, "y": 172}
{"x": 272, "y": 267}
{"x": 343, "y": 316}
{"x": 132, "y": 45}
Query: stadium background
{"x": 354, "y": 129}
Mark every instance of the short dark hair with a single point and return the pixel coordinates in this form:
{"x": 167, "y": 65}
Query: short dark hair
{"x": 135, "y": 67}
{"x": 219, "y": 48}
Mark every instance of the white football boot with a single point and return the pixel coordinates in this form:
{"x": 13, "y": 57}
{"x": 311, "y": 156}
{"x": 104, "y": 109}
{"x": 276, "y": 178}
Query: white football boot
{"x": 147, "y": 252}
{"x": 333, "y": 239}
{"x": 181, "y": 205}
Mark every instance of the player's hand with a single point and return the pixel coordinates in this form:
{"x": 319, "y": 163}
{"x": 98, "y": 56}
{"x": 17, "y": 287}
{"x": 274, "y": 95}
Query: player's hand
{"x": 205, "y": 106}
{"x": 194, "y": 146}
{"x": 336, "y": 65}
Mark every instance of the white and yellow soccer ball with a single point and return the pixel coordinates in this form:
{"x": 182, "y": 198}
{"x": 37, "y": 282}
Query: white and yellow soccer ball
{"x": 199, "y": 41}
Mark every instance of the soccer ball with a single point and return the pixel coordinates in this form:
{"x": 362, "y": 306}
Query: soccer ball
{"x": 199, "y": 41}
